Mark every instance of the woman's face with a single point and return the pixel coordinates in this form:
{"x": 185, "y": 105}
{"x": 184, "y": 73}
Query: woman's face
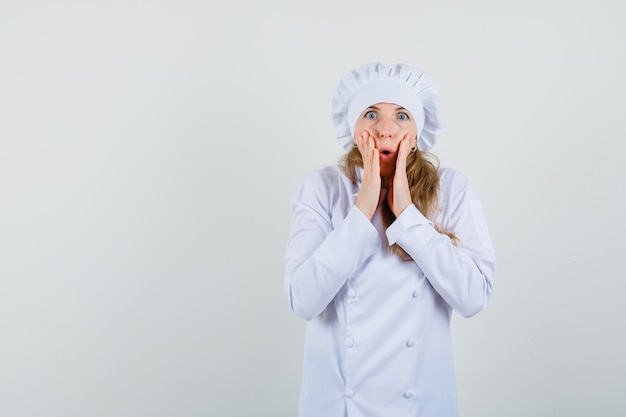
{"x": 387, "y": 124}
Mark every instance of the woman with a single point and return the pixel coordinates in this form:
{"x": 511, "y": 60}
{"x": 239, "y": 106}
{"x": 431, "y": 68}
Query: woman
{"x": 382, "y": 248}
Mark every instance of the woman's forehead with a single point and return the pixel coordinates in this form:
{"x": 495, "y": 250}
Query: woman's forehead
{"x": 386, "y": 106}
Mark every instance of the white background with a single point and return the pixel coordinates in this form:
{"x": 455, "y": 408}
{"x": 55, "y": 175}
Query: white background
{"x": 149, "y": 149}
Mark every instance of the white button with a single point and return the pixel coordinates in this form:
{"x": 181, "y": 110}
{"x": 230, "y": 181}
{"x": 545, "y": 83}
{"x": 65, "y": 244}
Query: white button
{"x": 408, "y": 394}
{"x": 351, "y": 293}
{"x": 411, "y": 342}
{"x": 349, "y": 393}
{"x": 349, "y": 342}
{"x": 416, "y": 293}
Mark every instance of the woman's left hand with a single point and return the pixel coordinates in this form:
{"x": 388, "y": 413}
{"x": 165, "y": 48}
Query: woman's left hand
{"x": 399, "y": 196}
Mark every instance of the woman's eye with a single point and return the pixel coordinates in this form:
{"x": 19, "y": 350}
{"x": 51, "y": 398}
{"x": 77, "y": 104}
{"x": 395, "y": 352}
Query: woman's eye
{"x": 403, "y": 116}
{"x": 370, "y": 115}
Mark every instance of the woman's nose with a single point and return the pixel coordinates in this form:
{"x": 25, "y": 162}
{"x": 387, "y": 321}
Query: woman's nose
{"x": 385, "y": 127}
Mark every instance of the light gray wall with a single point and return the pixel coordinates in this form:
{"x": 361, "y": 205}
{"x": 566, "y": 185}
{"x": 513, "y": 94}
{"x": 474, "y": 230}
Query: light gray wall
{"x": 148, "y": 151}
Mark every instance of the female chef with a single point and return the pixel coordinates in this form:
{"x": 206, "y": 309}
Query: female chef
{"x": 382, "y": 248}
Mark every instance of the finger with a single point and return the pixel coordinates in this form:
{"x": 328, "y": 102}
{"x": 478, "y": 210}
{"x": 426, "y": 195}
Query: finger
{"x": 358, "y": 141}
{"x": 366, "y": 149}
{"x": 370, "y": 141}
{"x": 408, "y": 144}
{"x": 375, "y": 162}
{"x": 362, "y": 143}
{"x": 403, "y": 153}
{"x": 375, "y": 155}
{"x": 372, "y": 156}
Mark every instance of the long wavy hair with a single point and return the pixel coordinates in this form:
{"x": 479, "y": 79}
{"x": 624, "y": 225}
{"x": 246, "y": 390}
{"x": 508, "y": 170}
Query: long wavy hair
{"x": 421, "y": 170}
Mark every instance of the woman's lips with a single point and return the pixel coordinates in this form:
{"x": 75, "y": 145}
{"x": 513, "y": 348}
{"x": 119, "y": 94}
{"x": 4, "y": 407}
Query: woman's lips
{"x": 386, "y": 154}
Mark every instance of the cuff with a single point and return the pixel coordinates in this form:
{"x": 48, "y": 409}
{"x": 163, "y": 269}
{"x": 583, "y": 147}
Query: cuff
{"x": 410, "y": 217}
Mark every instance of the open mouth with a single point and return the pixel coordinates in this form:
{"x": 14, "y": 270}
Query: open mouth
{"x": 386, "y": 154}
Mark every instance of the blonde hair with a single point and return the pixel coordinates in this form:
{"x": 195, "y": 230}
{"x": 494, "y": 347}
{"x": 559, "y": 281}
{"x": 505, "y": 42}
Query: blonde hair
{"x": 421, "y": 170}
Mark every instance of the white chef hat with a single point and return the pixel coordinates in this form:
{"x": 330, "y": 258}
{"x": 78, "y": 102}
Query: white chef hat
{"x": 376, "y": 83}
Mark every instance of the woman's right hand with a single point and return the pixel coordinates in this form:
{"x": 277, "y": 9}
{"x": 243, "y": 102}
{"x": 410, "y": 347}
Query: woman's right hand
{"x": 369, "y": 195}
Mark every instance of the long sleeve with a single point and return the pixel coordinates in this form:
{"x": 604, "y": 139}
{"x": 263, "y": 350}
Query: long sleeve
{"x": 323, "y": 251}
{"x": 462, "y": 275}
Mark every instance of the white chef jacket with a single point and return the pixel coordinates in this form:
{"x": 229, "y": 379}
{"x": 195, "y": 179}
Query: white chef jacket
{"x": 378, "y": 333}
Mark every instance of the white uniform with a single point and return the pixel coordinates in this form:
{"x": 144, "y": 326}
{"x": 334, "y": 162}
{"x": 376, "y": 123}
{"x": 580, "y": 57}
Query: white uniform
{"x": 378, "y": 337}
